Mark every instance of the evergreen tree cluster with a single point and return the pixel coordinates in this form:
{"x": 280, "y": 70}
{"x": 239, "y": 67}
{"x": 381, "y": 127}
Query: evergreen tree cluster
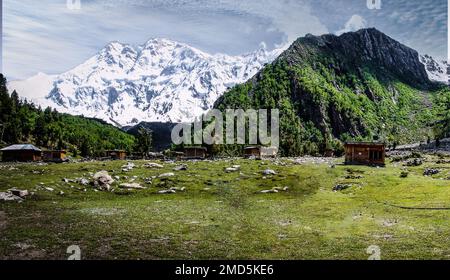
{"x": 23, "y": 122}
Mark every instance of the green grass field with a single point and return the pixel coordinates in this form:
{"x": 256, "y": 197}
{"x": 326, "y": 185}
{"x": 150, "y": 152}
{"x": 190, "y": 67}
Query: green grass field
{"x": 224, "y": 215}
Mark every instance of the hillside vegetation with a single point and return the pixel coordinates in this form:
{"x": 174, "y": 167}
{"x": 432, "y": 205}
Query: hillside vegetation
{"x": 359, "y": 86}
{"x": 23, "y": 122}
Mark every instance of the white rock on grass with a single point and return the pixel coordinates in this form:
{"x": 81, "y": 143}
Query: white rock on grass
{"x": 166, "y": 175}
{"x": 167, "y": 191}
{"x": 19, "y": 193}
{"x": 128, "y": 167}
{"x": 102, "y": 180}
{"x": 182, "y": 167}
{"x": 131, "y": 186}
{"x": 269, "y": 191}
{"x": 233, "y": 168}
{"x": 153, "y": 165}
{"x": 83, "y": 181}
{"x": 8, "y": 196}
{"x": 269, "y": 172}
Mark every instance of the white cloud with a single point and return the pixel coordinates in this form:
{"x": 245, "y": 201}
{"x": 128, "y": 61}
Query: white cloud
{"x": 356, "y": 22}
{"x": 45, "y": 36}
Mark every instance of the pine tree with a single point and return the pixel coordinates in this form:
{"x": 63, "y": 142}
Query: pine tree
{"x": 144, "y": 141}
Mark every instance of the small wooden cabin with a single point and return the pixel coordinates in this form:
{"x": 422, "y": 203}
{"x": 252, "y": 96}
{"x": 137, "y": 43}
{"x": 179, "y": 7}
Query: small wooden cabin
{"x": 116, "y": 154}
{"x": 363, "y": 153}
{"x": 260, "y": 152}
{"x": 55, "y": 156}
{"x": 195, "y": 152}
{"x": 174, "y": 155}
{"x": 22, "y": 153}
{"x": 252, "y": 152}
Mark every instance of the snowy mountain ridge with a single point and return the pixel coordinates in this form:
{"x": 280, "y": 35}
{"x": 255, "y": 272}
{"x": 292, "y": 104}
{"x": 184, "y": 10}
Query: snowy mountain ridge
{"x": 161, "y": 80}
{"x": 437, "y": 70}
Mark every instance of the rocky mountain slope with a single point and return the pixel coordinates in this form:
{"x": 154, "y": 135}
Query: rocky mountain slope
{"x": 161, "y": 80}
{"x": 361, "y": 85}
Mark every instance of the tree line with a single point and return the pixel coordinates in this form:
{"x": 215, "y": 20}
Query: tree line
{"x": 22, "y": 121}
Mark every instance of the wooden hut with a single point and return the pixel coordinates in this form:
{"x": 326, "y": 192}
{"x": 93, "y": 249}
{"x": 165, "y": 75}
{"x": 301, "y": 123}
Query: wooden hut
{"x": 363, "y": 153}
{"x": 260, "y": 152}
{"x": 253, "y": 151}
{"x": 195, "y": 152}
{"x": 21, "y": 152}
{"x": 54, "y": 156}
{"x": 116, "y": 154}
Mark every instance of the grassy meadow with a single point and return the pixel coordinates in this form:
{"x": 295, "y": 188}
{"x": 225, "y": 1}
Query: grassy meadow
{"x": 224, "y": 215}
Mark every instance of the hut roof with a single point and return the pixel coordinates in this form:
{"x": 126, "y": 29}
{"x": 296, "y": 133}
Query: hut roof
{"x": 252, "y": 147}
{"x": 365, "y": 143}
{"x": 21, "y": 147}
{"x": 195, "y": 148}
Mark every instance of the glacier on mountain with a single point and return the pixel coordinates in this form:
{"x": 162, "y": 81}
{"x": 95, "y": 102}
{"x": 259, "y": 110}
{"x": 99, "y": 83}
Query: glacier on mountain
{"x": 159, "y": 81}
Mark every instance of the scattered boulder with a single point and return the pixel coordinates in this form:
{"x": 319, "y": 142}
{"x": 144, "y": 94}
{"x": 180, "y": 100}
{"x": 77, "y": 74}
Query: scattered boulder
{"x": 234, "y": 168}
{"x": 102, "y": 180}
{"x": 170, "y": 191}
{"x": 182, "y": 167}
{"x": 49, "y": 189}
{"x": 269, "y": 172}
{"x": 8, "y": 196}
{"x": 414, "y": 162}
{"x": 65, "y": 180}
{"x": 276, "y": 190}
{"x": 148, "y": 181}
{"x": 354, "y": 177}
{"x": 131, "y": 186}
{"x": 182, "y": 189}
{"x": 430, "y": 172}
{"x": 404, "y": 174}
{"x": 19, "y": 193}
{"x": 83, "y": 181}
{"x": 341, "y": 187}
{"x": 269, "y": 191}
{"x": 128, "y": 167}
{"x": 153, "y": 165}
{"x": 166, "y": 175}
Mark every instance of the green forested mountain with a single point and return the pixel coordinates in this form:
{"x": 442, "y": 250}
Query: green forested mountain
{"x": 22, "y": 122}
{"x": 359, "y": 86}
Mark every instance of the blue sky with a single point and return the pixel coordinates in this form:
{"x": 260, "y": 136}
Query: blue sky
{"x": 46, "y": 36}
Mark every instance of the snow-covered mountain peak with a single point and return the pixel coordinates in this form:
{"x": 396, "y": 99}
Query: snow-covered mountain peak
{"x": 437, "y": 70}
{"x": 160, "y": 80}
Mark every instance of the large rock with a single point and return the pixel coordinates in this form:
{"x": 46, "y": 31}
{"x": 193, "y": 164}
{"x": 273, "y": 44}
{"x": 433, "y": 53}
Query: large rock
{"x": 8, "y": 196}
{"x": 102, "y": 180}
{"x": 19, "y": 193}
